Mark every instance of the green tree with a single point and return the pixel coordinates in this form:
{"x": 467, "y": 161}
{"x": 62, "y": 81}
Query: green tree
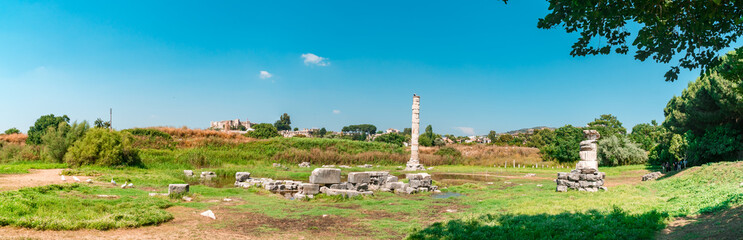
{"x": 393, "y": 138}
{"x": 647, "y": 135}
{"x": 360, "y": 129}
{"x": 504, "y": 139}
{"x": 671, "y": 147}
{"x": 706, "y": 103}
{"x": 12, "y": 131}
{"x": 697, "y": 30}
{"x": 296, "y": 129}
{"x": 721, "y": 143}
{"x": 492, "y": 136}
{"x": 284, "y": 123}
{"x": 57, "y": 140}
{"x": 263, "y": 131}
{"x": 607, "y": 125}
{"x": 707, "y": 118}
{"x": 42, "y": 125}
{"x": 566, "y": 145}
{"x": 103, "y": 147}
{"x": 540, "y": 138}
{"x": 620, "y": 150}
{"x": 99, "y": 123}
{"x": 429, "y": 138}
{"x": 407, "y": 131}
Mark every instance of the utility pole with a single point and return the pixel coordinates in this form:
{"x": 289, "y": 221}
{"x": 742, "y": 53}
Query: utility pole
{"x": 110, "y": 118}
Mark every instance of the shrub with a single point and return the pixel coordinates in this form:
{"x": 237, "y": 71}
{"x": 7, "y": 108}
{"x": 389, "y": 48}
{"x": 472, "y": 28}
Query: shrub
{"x": 448, "y": 151}
{"x": 263, "y": 131}
{"x": 104, "y": 148}
{"x": 58, "y": 140}
{"x": 393, "y": 138}
{"x": 12, "y": 131}
{"x": 620, "y": 150}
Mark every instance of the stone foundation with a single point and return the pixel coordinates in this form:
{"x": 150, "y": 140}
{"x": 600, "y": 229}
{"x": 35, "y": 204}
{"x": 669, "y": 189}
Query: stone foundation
{"x": 588, "y": 180}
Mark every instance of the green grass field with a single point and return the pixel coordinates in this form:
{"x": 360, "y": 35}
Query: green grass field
{"x": 490, "y": 202}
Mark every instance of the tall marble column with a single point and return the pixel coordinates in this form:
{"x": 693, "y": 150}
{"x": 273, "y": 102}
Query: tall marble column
{"x": 414, "y": 162}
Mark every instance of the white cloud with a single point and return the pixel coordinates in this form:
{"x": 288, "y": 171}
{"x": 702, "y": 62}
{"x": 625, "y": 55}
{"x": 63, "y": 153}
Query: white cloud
{"x": 466, "y": 130}
{"x": 336, "y": 111}
{"x": 265, "y": 75}
{"x": 310, "y": 58}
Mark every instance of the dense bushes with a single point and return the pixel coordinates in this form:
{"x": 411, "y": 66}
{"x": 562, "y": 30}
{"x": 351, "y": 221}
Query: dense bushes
{"x": 57, "y": 140}
{"x": 104, "y": 148}
{"x": 393, "y": 138}
{"x": 706, "y": 121}
{"x": 448, "y": 151}
{"x": 620, "y": 150}
{"x": 263, "y": 131}
{"x": 565, "y": 145}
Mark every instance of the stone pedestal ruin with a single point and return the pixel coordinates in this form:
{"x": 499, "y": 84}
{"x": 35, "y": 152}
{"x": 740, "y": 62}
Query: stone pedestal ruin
{"x": 414, "y": 162}
{"x": 586, "y": 176}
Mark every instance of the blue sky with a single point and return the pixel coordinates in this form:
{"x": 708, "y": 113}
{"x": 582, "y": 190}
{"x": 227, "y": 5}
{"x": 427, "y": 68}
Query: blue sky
{"x": 478, "y": 65}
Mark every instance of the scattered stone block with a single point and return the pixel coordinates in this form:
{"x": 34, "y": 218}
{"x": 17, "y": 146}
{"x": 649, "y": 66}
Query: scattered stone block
{"x": 242, "y": 176}
{"x": 178, "y": 189}
{"x": 562, "y": 188}
{"x": 208, "y": 175}
{"x": 651, "y": 176}
{"x": 325, "y": 176}
{"x": 209, "y": 214}
{"x": 188, "y": 173}
{"x": 530, "y": 175}
{"x": 304, "y": 164}
{"x": 359, "y": 177}
{"x": 310, "y": 188}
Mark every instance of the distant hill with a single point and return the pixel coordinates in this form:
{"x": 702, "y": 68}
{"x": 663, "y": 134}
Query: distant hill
{"x": 525, "y": 130}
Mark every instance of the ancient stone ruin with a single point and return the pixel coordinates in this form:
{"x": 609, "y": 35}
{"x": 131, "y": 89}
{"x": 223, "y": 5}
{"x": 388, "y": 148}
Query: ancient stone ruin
{"x": 414, "y": 162}
{"x": 177, "y": 189}
{"x": 328, "y": 181}
{"x": 585, "y": 176}
{"x": 651, "y": 176}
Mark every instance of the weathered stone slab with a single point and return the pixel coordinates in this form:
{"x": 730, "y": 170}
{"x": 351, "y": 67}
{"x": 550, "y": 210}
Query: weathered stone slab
{"x": 242, "y": 176}
{"x": 177, "y": 189}
{"x": 652, "y": 176}
{"x": 188, "y": 173}
{"x": 310, "y": 188}
{"x": 325, "y": 176}
{"x": 562, "y": 188}
{"x": 359, "y": 177}
{"x": 346, "y": 193}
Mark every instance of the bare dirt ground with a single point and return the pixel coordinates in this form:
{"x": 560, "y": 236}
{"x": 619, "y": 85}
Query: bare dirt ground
{"x": 727, "y": 224}
{"x": 35, "y": 177}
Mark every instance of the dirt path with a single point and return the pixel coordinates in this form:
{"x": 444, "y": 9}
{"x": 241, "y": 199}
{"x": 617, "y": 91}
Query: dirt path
{"x": 35, "y": 177}
{"x": 721, "y": 225}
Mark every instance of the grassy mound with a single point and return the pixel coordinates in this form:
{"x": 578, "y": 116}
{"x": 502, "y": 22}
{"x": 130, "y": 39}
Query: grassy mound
{"x": 625, "y": 212}
{"x": 71, "y": 207}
